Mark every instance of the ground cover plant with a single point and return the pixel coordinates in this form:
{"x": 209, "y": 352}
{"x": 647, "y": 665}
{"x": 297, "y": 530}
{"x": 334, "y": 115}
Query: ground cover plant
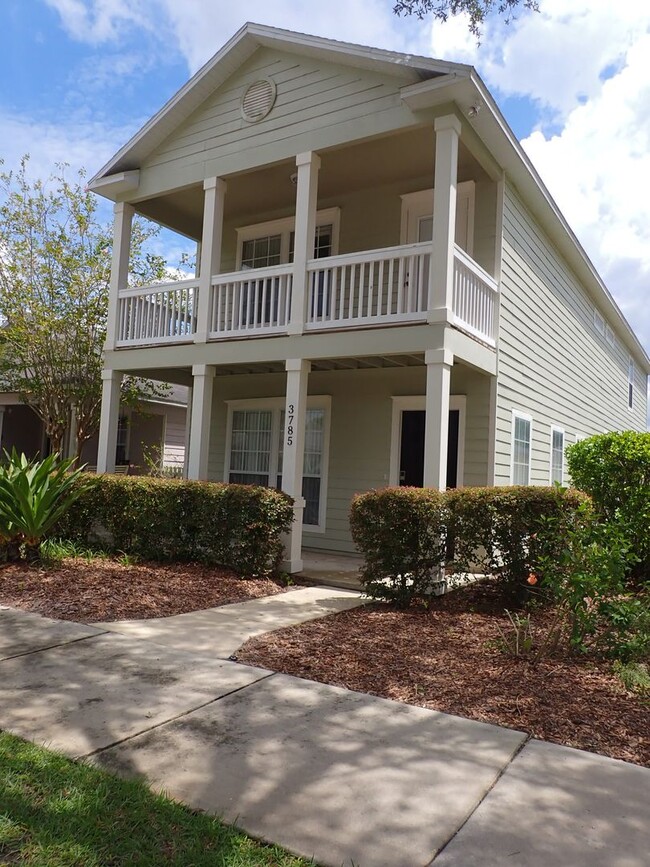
{"x": 58, "y": 813}
{"x": 34, "y": 497}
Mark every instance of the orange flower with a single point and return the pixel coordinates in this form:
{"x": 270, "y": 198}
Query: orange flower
{"x": 532, "y": 579}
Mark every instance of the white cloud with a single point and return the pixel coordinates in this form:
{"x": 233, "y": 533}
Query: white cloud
{"x": 586, "y": 65}
{"x": 97, "y": 21}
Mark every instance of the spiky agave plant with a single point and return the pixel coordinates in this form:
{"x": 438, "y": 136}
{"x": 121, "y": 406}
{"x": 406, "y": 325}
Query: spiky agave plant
{"x": 34, "y": 494}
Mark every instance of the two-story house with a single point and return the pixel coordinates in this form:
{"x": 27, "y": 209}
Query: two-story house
{"x": 385, "y": 292}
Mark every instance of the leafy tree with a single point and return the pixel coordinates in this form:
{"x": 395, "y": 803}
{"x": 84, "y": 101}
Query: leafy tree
{"x": 475, "y": 9}
{"x": 55, "y": 259}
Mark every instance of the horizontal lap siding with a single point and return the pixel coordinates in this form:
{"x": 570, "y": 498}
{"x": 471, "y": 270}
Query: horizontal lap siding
{"x": 174, "y": 444}
{"x": 553, "y": 364}
{"x": 311, "y": 96}
{"x": 360, "y": 431}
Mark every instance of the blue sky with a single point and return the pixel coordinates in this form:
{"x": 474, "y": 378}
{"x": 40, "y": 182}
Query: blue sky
{"x": 80, "y": 76}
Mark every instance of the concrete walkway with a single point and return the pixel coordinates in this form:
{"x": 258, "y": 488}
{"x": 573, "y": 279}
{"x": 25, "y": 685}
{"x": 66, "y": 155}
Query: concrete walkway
{"x": 221, "y": 631}
{"x": 345, "y": 777}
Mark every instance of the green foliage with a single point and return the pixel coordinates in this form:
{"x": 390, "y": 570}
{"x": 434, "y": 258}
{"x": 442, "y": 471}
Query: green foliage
{"x": 406, "y": 534}
{"x": 239, "y": 526}
{"x": 614, "y": 469}
{"x": 34, "y": 496}
{"x": 505, "y": 530}
{"x": 517, "y": 639}
{"x": 58, "y": 813}
{"x": 55, "y": 259}
{"x": 53, "y": 551}
{"x": 476, "y": 10}
{"x": 635, "y": 676}
{"x": 401, "y": 534}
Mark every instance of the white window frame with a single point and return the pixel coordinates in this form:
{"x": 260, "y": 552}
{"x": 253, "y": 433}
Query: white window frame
{"x": 284, "y": 227}
{"x": 419, "y": 205}
{"x": 276, "y": 405}
{"x": 524, "y": 416}
{"x": 557, "y": 429}
{"x": 631, "y": 374}
{"x": 418, "y": 402}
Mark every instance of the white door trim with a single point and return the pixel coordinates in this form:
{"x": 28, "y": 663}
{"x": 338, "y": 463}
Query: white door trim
{"x": 417, "y": 205}
{"x": 456, "y": 402}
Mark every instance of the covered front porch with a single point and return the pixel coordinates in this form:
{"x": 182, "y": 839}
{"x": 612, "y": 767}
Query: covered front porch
{"x": 327, "y": 428}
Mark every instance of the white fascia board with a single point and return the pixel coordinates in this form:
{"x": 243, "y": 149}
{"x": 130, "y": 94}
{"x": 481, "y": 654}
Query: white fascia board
{"x": 114, "y": 186}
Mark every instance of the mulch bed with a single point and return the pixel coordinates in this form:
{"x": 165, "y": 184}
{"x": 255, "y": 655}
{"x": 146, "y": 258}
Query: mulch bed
{"x": 94, "y": 590}
{"x": 443, "y": 657}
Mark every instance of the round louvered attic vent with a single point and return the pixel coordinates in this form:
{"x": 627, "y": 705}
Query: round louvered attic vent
{"x": 258, "y": 99}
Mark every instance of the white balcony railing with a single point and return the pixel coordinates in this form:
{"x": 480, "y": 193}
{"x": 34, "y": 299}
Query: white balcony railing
{"x": 165, "y": 313}
{"x": 370, "y": 288}
{"x": 357, "y": 290}
{"x": 475, "y": 298}
{"x": 257, "y": 301}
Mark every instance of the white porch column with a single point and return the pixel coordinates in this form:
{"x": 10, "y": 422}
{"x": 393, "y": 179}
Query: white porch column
{"x": 122, "y": 220}
{"x": 306, "y": 205}
{"x": 441, "y": 272}
{"x": 200, "y": 417}
{"x": 188, "y": 428}
{"x": 209, "y": 251}
{"x": 293, "y": 453}
{"x": 111, "y": 393}
{"x": 436, "y": 429}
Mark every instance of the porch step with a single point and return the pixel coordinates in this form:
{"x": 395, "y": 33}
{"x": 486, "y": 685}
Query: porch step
{"x": 332, "y": 570}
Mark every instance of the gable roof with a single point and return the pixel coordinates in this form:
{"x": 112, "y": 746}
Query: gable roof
{"x": 409, "y": 68}
{"x": 426, "y": 82}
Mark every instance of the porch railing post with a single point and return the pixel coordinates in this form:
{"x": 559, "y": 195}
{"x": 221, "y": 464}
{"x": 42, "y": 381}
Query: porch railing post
{"x": 308, "y": 165}
{"x": 436, "y": 429}
{"x": 293, "y": 453}
{"x": 110, "y": 414}
{"x": 441, "y": 272}
{"x": 122, "y": 220}
{"x": 209, "y": 251}
{"x": 201, "y": 415}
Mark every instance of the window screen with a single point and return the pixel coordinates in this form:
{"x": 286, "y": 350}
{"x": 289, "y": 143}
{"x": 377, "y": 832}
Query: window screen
{"x": 521, "y": 451}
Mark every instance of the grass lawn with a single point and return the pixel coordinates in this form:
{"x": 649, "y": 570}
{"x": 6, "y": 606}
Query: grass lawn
{"x": 59, "y": 813}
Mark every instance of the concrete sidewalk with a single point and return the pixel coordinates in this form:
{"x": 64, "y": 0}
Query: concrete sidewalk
{"x": 345, "y": 777}
{"x": 221, "y": 631}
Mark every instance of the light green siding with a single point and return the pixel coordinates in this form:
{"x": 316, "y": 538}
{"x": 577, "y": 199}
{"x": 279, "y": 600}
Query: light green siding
{"x": 553, "y": 364}
{"x": 318, "y": 104}
{"x": 360, "y": 431}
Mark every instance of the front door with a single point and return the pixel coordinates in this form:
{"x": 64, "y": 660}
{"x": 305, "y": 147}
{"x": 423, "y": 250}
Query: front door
{"x": 411, "y": 465}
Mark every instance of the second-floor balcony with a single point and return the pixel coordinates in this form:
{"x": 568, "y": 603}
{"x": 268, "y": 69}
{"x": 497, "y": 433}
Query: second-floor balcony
{"x": 373, "y": 288}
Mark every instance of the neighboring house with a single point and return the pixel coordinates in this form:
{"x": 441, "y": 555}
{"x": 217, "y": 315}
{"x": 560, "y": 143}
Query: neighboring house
{"x": 153, "y": 433}
{"x": 385, "y": 288}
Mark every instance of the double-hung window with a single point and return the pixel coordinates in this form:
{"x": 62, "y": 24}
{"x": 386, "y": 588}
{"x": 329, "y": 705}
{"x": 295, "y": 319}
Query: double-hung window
{"x": 267, "y": 244}
{"x": 557, "y": 455}
{"x": 254, "y": 450}
{"x": 522, "y": 431}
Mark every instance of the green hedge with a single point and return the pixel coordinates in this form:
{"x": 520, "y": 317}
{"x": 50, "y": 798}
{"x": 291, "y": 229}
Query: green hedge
{"x": 238, "y": 526}
{"x": 614, "y": 469}
{"x": 404, "y": 534}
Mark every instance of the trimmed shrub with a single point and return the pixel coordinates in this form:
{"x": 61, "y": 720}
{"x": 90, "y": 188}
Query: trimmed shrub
{"x": 406, "y": 534}
{"x": 614, "y": 469}
{"x": 238, "y": 526}
{"x": 401, "y": 533}
{"x": 509, "y": 530}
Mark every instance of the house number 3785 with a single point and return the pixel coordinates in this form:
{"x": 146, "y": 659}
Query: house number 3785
{"x": 290, "y": 430}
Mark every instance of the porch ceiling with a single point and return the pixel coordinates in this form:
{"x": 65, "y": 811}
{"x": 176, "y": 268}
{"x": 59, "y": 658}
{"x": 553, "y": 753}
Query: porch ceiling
{"x": 405, "y": 158}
